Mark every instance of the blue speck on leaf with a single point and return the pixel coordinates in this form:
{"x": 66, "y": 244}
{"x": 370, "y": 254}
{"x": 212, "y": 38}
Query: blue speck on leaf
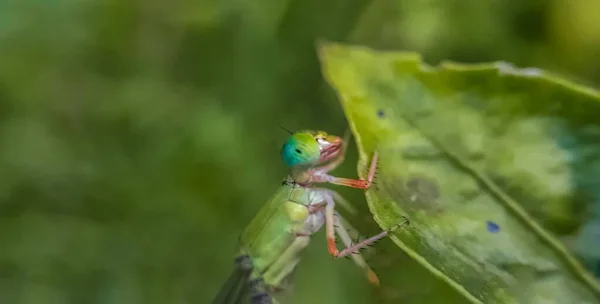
{"x": 380, "y": 113}
{"x": 492, "y": 227}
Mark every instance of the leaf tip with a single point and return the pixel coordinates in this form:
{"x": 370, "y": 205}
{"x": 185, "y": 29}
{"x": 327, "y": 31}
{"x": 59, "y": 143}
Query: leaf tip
{"x": 324, "y": 47}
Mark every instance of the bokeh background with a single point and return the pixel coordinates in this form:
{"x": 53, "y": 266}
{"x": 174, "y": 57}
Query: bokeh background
{"x": 138, "y": 138}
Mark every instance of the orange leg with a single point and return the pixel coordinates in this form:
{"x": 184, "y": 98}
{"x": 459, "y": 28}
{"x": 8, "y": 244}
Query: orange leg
{"x": 329, "y": 225}
{"x": 319, "y": 175}
{"x": 333, "y": 226}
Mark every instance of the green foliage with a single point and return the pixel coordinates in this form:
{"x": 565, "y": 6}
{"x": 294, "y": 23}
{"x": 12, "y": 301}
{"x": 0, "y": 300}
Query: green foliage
{"x": 138, "y": 138}
{"x": 491, "y": 163}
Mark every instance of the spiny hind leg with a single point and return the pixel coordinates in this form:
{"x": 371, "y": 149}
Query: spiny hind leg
{"x": 330, "y": 221}
{"x": 355, "y": 248}
{"x": 342, "y": 232}
{"x": 334, "y": 224}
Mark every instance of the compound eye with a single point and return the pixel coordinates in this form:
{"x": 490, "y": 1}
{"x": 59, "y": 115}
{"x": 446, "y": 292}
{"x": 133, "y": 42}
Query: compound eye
{"x": 301, "y": 149}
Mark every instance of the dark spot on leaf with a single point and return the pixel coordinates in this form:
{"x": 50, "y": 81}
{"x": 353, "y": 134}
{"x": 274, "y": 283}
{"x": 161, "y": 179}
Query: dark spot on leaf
{"x": 477, "y": 155}
{"x": 469, "y": 191}
{"x": 422, "y": 189}
{"x": 422, "y": 113}
{"x": 380, "y": 113}
{"x": 416, "y": 192}
{"x": 492, "y": 227}
{"x": 421, "y": 151}
{"x": 298, "y": 151}
{"x": 468, "y": 194}
{"x": 385, "y": 88}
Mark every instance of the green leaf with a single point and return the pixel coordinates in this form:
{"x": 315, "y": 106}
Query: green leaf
{"x": 493, "y": 165}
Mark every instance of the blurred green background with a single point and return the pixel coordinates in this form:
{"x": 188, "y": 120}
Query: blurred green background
{"x": 138, "y": 138}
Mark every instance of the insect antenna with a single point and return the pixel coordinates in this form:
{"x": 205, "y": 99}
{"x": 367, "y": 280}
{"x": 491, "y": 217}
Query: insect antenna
{"x": 285, "y": 129}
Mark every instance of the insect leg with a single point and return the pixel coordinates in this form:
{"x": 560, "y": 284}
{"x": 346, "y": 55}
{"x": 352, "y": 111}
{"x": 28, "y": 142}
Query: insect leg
{"x": 357, "y": 257}
{"x": 319, "y": 175}
{"x": 366, "y": 242}
{"x": 330, "y": 223}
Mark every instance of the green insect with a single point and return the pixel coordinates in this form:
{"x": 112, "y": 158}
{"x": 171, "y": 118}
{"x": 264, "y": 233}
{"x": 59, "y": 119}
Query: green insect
{"x": 272, "y": 244}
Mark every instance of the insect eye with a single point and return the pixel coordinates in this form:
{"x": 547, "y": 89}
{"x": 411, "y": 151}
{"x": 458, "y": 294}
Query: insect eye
{"x": 298, "y": 151}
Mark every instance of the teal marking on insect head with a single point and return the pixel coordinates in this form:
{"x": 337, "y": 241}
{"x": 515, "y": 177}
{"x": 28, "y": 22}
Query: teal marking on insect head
{"x": 300, "y": 149}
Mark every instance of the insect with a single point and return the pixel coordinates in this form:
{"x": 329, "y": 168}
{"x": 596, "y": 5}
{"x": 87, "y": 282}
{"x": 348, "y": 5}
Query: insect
{"x": 271, "y": 245}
